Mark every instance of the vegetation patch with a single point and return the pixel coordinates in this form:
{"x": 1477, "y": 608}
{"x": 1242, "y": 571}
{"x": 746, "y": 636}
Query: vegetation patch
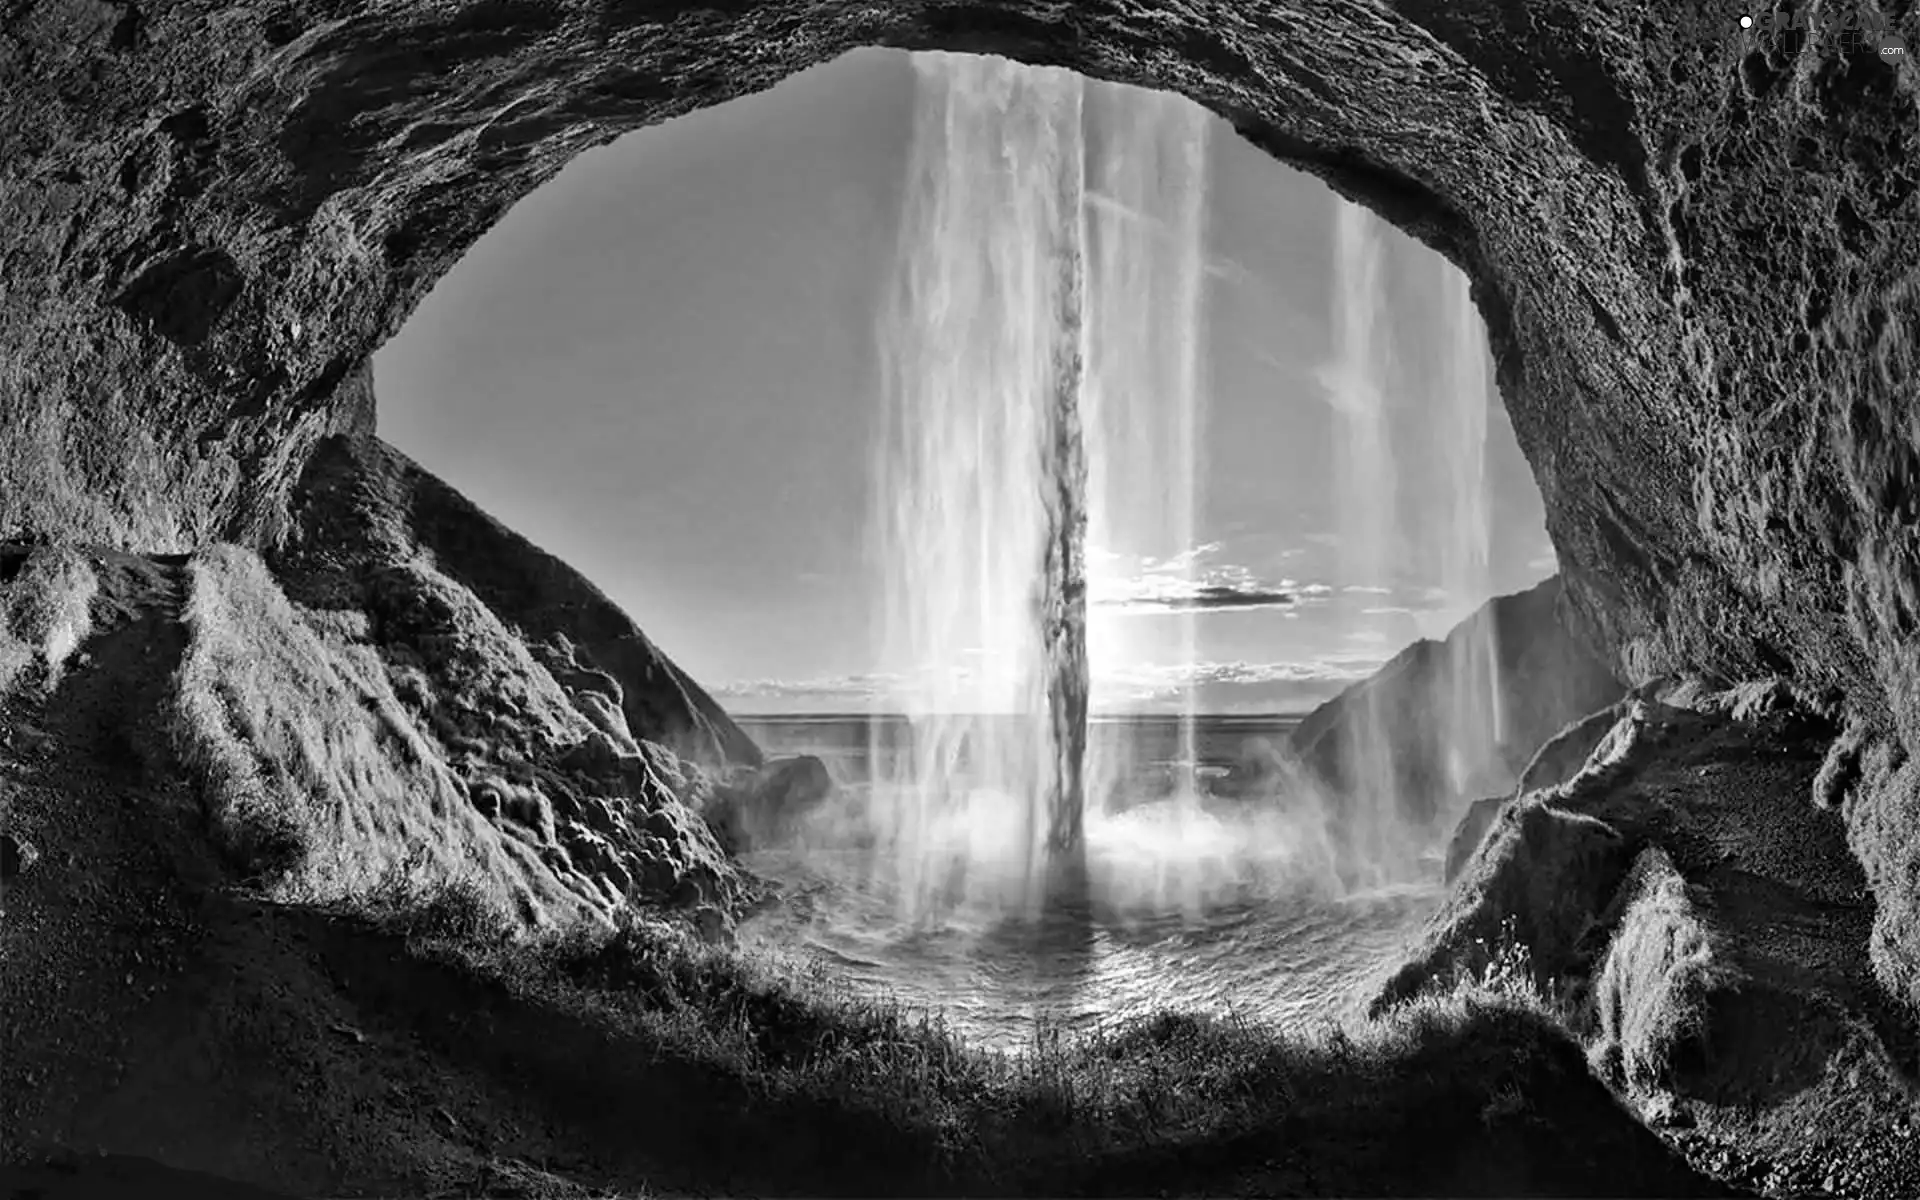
{"x": 1543, "y": 878}
{"x": 45, "y": 613}
{"x": 1651, "y": 995}
{"x": 1172, "y": 1102}
{"x": 317, "y": 782}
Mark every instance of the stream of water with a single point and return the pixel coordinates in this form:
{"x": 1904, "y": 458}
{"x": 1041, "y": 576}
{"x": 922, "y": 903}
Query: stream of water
{"x": 997, "y": 851}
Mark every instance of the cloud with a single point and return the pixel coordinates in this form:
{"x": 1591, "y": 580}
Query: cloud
{"x": 1182, "y": 583}
{"x": 1202, "y": 598}
{"x": 1357, "y": 589}
{"x": 1216, "y": 686}
{"x": 1233, "y": 681}
{"x": 848, "y": 687}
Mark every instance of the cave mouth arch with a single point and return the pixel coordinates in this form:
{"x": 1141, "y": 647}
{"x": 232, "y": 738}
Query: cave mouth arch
{"x": 1693, "y": 248}
{"x": 216, "y": 218}
{"x": 670, "y": 350}
{"x": 271, "y": 233}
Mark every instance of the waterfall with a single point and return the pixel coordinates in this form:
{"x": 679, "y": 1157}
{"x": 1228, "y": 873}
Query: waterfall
{"x": 1389, "y": 785}
{"x": 1475, "y": 724}
{"x": 981, "y": 485}
{"x": 1042, "y": 360}
{"x": 1143, "y": 403}
{"x": 1366, "y": 498}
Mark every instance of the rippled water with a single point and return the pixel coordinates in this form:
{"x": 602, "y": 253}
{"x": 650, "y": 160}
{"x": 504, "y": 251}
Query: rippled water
{"x": 1196, "y": 905}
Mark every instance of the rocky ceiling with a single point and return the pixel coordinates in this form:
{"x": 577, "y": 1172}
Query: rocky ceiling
{"x": 1696, "y": 247}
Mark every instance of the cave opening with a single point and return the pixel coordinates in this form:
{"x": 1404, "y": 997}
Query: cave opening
{"x": 352, "y": 844}
{"x": 670, "y": 367}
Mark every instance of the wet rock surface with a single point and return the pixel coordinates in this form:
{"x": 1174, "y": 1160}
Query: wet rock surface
{"x": 1435, "y": 727}
{"x": 1469, "y": 833}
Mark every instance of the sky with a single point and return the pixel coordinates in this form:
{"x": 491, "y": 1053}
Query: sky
{"x": 664, "y": 367}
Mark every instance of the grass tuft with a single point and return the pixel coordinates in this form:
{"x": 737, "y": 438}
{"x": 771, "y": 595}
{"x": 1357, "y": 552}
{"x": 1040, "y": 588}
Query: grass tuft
{"x": 45, "y": 613}
{"x": 1883, "y": 830}
{"x": 1541, "y": 880}
{"x": 1652, "y": 991}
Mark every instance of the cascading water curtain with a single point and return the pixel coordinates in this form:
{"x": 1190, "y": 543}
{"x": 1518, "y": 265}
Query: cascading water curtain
{"x": 980, "y": 481}
{"x": 1367, "y": 822}
{"x": 1475, "y": 723}
{"x": 1147, "y": 229}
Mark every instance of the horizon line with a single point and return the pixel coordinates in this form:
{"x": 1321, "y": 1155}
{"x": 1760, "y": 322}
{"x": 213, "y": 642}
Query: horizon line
{"x": 867, "y": 714}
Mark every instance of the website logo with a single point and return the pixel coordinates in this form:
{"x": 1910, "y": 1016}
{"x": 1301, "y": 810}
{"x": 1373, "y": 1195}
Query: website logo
{"x": 1858, "y": 26}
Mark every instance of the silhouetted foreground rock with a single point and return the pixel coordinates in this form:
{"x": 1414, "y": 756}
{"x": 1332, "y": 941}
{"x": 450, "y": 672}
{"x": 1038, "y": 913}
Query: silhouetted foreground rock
{"x": 1399, "y": 731}
{"x": 1705, "y": 929}
{"x": 121, "y": 1177}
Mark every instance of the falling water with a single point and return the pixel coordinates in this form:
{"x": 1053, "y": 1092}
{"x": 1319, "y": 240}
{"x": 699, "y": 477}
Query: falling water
{"x": 1040, "y": 448}
{"x": 1465, "y": 721}
{"x": 1367, "y": 502}
{"x": 982, "y": 479}
{"x": 1143, "y": 403}
{"x": 1475, "y": 726}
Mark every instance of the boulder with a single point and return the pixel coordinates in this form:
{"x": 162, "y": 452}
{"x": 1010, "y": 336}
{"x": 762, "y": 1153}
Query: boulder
{"x": 766, "y": 806}
{"x": 1566, "y": 753}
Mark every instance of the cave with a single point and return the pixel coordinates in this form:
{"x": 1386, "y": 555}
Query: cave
{"x": 1691, "y": 241}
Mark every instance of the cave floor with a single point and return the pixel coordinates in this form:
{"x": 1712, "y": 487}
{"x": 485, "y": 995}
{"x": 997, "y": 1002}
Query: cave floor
{"x": 163, "y": 1011}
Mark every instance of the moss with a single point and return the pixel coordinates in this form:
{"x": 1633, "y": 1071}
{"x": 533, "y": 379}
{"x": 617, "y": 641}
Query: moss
{"x": 45, "y": 613}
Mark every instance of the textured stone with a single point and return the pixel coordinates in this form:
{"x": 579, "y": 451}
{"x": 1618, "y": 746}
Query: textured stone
{"x": 17, "y": 856}
{"x": 1694, "y": 247}
{"x": 1412, "y": 730}
{"x": 362, "y": 502}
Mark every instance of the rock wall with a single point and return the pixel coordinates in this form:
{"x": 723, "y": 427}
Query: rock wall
{"x": 361, "y": 508}
{"x": 1694, "y": 246}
